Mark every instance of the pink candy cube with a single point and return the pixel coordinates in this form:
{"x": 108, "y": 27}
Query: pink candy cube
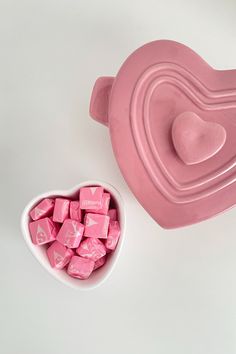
{"x": 80, "y": 267}
{"x": 42, "y": 231}
{"x": 91, "y": 198}
{"x": 43, "y": 209}
{"x": 61, "y": 210}
{"x": 91, "y": 248}
{"x": 105, "y": 205}
{"x": 75, "y": 211}
{"x": 99, "y": 263}
{"x": 112, "y": 213}
{"x": 70, "y": 233}
{"x": 113, "y": 235}
{"x": 58, "y": 255}
{"x": 96, "y": 225}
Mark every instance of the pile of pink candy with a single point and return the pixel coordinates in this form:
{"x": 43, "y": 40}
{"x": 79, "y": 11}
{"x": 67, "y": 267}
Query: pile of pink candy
{"x": 80, "y": 233}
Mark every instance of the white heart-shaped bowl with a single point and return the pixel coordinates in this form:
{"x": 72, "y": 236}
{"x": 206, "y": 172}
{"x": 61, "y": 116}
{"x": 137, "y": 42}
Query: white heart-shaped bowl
{"x": 100, "y": 275}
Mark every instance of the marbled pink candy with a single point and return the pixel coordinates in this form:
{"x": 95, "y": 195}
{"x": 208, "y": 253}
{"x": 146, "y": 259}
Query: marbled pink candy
{"x": 91, "y": 197}
{"x": 91, "y": 248}
{"x": 42, "y": 209}
{"x": 112, "y": 213}
{"x": 96, "y": 225}
{"x": 58, "y": 255}
{"x": 105, "y": 205}
{"x": 70, "y": 233}
{"x": 42, "y": 231}
{"x": 113, "y": 235}
{"x": 80, "y": 267}
{"x": 75, "y": 211}
{"x": 99, "y": 263}
{"x": 61, "y": 210}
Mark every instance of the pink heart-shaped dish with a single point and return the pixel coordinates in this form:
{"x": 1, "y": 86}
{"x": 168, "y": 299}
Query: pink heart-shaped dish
{"x": 172, "y": 122}
{"x": 101, "y": 274}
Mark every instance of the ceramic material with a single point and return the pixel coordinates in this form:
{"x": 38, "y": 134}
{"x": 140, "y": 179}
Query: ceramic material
{"x": 172, "y": 122}
{"x": 196, "y": 140}
{"x": 101, "y": 274}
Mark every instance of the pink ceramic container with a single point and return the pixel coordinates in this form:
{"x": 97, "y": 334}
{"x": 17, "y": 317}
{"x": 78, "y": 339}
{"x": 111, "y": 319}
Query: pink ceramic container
{"x": 172, "y": 122}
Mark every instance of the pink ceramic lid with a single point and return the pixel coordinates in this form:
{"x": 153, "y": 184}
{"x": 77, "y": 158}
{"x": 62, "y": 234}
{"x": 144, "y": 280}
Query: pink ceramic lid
{"x": 172, "y": 121}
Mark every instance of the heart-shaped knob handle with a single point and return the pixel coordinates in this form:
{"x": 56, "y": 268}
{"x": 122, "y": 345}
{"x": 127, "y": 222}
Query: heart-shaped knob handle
{"x": 196, "y": 140}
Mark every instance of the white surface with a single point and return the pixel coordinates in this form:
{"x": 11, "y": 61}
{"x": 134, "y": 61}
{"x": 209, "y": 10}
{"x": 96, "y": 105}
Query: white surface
{"x": 172, "y": 292}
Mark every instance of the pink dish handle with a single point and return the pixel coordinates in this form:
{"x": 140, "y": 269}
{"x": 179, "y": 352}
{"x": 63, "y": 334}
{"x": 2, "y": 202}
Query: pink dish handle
{"x": 99, "y": 102}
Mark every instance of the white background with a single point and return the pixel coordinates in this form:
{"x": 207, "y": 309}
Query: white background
{"x": 172, "y": 292}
